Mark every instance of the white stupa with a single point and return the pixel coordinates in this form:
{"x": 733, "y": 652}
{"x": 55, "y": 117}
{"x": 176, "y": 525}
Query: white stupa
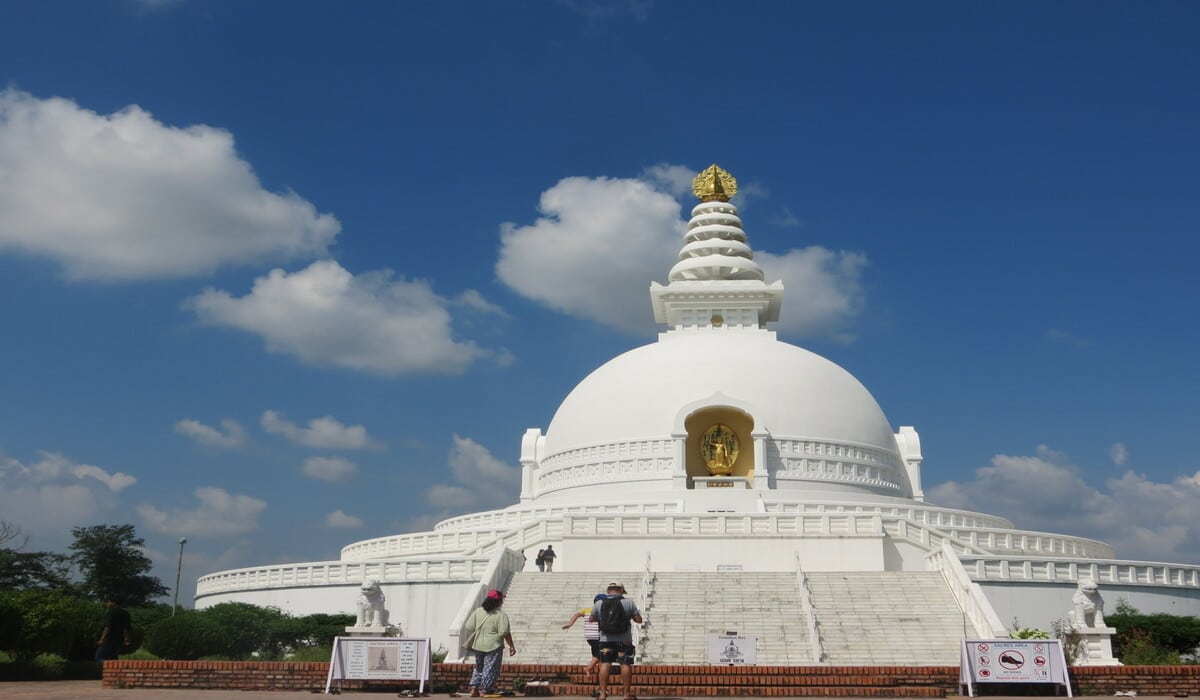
{"x": 719, "y": 458}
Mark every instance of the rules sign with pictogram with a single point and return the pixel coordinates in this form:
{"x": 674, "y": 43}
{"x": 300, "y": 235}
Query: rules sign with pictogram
{"x": 1012, "y": 661}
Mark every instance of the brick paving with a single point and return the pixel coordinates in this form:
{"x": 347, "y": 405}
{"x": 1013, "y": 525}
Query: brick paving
{"x": 92, "y": 690}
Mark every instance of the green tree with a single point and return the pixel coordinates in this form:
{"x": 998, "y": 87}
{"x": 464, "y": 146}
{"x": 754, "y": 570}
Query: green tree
{"x": 21, "y": 570}
{"x": 113, "y": 566}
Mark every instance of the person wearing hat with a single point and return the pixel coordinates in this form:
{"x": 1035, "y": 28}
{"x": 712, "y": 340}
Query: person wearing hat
{"x": 616, "y": 646}
{"x": 489, "y": 632}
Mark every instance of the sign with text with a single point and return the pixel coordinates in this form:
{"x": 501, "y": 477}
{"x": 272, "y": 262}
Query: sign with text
{"x": 379, "y": 658}
{"x": 732, "y": 649}
{"x": 1012, "y": 661}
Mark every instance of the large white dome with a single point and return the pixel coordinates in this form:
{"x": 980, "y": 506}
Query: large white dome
{"x": 788, "y": 391}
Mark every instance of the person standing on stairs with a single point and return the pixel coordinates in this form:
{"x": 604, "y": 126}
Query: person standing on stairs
{"x": 614, "y": 615}
{"x": 548, "y": 557}
{"x": 591, "y": 632}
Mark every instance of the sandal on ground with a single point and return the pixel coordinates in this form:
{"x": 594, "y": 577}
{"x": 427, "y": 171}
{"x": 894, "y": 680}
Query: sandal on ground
{"x": 475, "y": 692}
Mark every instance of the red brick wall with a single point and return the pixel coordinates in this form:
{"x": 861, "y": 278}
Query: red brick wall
{"x": 933, "y": 681}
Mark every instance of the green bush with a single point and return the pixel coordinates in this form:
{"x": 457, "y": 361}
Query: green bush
{"x": 1178, "y": 633}
{"x": 311, "y": 654}
{"x": 51, "y": 623}
{"x": 249, "y": 629}
{"x": 49, "y": 667}
{"x": 1138, "y": 648}
{"x": 188, "y": 636}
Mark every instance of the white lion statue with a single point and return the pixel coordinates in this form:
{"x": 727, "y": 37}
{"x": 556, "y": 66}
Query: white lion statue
{"x": 371, "y": 612}
{"x": 1089, "y": 606}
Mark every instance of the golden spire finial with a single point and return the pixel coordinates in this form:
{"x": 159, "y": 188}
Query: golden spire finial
{"x": 714, "y": 184}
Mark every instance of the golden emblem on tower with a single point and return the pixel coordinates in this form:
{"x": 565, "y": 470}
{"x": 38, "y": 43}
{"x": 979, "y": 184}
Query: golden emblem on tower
{"x": 719, "y": 448}
{"x": 714, "y": 184}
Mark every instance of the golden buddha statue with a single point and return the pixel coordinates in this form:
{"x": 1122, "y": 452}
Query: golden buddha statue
{"x": 719, "y": 448}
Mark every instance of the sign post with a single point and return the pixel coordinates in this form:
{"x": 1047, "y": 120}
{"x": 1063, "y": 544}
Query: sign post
{"x": 1012, "y": 661}
{"x": 380, "y": 658}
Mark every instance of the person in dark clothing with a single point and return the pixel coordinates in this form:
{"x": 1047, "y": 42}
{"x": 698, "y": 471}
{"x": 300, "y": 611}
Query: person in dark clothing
{"x": 115, "y": 633}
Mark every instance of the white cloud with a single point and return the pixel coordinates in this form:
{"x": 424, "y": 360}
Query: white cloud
{"x": 115, "y": 482}
{"x": 1141, "y": 519}
{"x": 594, "y": 250}
{"x": 326, "y": 316}
{"x": 338, "y": 519}
{"x": 218, "y": 513}
{"x": 322, "y": 433}
{"x": 54, "y": 493}
{"x": 481, "y": 480}
{"x": 126, "y": 197}
{"x": 822, "y": 289}
{"x": 329, "y": 468}
{"x": 600, "y": 241}
{"x": 675, "y": 180}
{"x": 1118, "y": 453}
{"x": 232, "y": 435}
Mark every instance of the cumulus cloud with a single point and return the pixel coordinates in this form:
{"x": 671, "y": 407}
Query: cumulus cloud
{"x": 480, "y": 480}
{"x": 231, "y": 434}
{"x": 822, "y": 289}
{"x": 1118, "y": 453}
{"x": 598, "y": 243}
{"x": 218, "y": 513}
{"x": 594, "y": 250}
{"x": 326, "y": 316}
{"x": 322, "y": 433}
{"x": 54, "y": 493}
{"x": 329, "y": 468}
{"x": 338, "y": 519}
{"x": 1140, "y": 518}
{"x": 123, "y": 196}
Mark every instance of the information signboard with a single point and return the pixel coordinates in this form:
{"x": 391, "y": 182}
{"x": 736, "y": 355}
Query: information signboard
{"x": 1012, "y": 661}
{"x": 379, "y": 658}
{"x": 732, "y": 649}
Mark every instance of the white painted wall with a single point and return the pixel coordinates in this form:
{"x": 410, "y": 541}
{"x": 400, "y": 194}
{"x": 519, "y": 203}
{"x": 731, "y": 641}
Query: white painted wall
{"x": 1040, "y": 604}
{"x": 421, "y": 609}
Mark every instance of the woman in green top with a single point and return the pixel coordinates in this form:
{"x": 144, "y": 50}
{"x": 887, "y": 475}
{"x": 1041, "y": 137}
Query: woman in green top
{"x": 489, "y": 627}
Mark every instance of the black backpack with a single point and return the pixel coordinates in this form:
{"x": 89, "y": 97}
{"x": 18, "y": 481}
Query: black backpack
{"x": 612, "y": 618}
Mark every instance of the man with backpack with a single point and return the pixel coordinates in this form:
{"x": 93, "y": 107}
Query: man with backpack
{"x": 614, "y": 615}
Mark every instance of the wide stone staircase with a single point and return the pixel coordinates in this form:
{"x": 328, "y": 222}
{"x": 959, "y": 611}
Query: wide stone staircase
{"x": 538, "y": 604}
{"x": 686, "y": 608}
{"x": 863, "y": 618}
{"x": 905, "y": 618}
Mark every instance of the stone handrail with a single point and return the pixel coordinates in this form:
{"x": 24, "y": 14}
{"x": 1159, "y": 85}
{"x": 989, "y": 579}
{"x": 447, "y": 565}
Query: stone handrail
{"x": 477, "y": 532}
{"x": 500, "y": 568}
{"x": 816, "y": 643}
{"x": 970, "y": 597}
{"x": 332, "y": 573}
{"x": 922, "y": 513}
{"x": 1110, "y": 571}
{"x": 643, "y": 600}
{"x": 417, "y": 543}
{"x": 509, "y": 518}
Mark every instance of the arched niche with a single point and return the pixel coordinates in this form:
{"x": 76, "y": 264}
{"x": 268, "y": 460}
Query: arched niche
{"x": 742, "y": 425}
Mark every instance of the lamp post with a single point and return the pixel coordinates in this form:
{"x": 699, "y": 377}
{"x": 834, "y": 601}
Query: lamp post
{"x": 178, "y": 571}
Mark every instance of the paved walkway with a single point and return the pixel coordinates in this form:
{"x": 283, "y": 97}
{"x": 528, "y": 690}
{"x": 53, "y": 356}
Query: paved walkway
{"x": 92, "y": 690}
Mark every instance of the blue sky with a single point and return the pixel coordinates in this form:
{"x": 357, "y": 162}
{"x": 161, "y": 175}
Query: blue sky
{"x": 279, "y": 276}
